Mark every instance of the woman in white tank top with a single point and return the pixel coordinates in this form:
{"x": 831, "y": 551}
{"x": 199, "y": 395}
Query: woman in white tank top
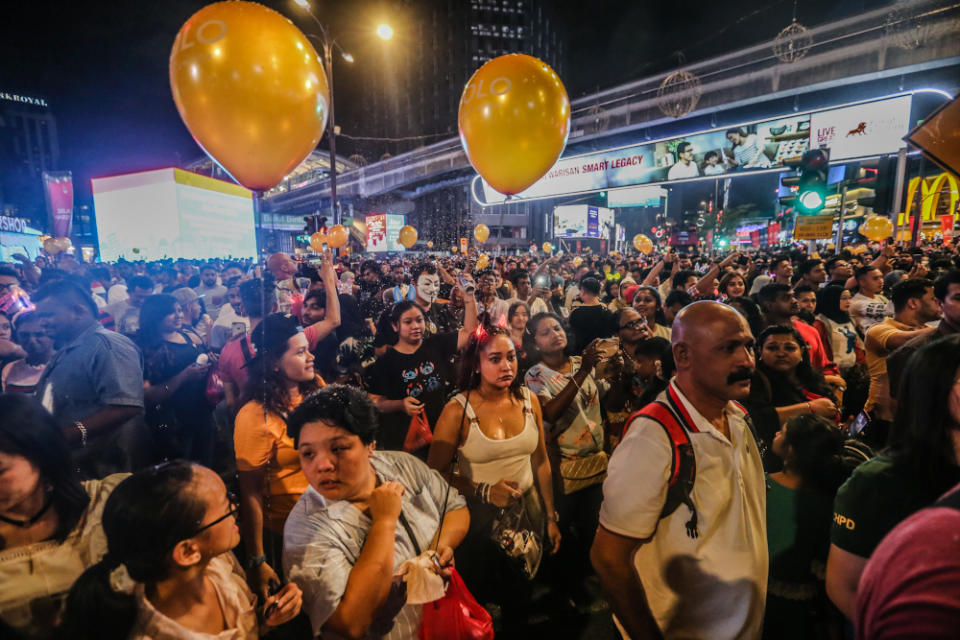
{"x": 494, "y": 427}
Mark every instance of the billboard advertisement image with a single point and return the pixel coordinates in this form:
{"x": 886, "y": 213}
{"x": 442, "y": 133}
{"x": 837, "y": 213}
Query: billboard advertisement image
{"x": 582, "y": 221}
{"x": 383, "y": 232}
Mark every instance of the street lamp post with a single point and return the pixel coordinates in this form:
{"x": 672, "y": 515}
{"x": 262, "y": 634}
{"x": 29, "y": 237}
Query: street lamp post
{"x": 385, "y": 32}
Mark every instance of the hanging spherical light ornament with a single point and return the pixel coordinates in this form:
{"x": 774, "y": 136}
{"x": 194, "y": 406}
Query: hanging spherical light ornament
{"x": 903, "y": 29}
{"x": 792, "y": 43}
{"x": 679, "y": 93}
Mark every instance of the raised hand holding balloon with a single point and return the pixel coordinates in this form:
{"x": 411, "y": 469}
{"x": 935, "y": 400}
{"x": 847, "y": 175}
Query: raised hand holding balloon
{"x": 251, "y": 90}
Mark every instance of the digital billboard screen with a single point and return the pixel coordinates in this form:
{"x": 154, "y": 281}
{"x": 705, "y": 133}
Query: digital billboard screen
{"x": 383, "y": 232}
{"x": 582, "y": 221}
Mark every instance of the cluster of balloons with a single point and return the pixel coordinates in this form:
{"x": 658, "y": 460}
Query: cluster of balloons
{"x": 53, "y": 246}
{"x": 876, "y": 228}
{"x": 251, "y": 89}
{"x": 642, "y": 243}
{"x": 514, "y": 119}
{"x": 335, "y": 237}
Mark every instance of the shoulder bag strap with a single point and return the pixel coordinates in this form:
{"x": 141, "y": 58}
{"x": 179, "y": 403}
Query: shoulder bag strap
{"x": 410, "y": 534}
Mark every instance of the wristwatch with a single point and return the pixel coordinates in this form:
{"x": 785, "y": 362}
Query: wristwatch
{"x": 555, "y": 516}
{"x": 256, "y": 561}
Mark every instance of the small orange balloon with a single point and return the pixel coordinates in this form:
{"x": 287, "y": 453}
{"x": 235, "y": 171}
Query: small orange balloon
{"x": 429, "y": 244}
{"x": 62, "y": 243}
{"x": 483, "y": 261}
{"x": 481, "y": 232}
{"x": 251, "y": 90}
{"x": 877, "y": 228}
{"x": 547, "y": 247}
{"x": 577, "y": 261}
{"x": 514, "y": 119}
{"x": 337, "y": 236}
{"x": 317, "y": 240}
{"x": 453, "y": 249}
{"x": 642, "y": 243}
{"x": 408, "y": 236}
{"x": 50, "y": 246}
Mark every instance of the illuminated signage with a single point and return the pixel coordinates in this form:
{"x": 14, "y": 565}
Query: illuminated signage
{"x": 854, "y": 131}
{"x": 383, "y": 232}
{"x": 582, "y": 221}
{"x": 14, "y": 97}
{"x": 15, "y": 225}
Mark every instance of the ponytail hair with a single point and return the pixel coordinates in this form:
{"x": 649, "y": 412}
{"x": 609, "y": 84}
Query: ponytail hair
{"x": 144, "y": 519}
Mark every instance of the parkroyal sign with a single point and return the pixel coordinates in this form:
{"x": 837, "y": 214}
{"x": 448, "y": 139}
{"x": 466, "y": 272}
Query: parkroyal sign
{"x": 15, "y": 97}
{"x": 858, "y": 130}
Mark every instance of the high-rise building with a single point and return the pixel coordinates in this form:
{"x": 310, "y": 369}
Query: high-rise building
{"x": 408, "y": 89}
{"x": 28, "y": 147}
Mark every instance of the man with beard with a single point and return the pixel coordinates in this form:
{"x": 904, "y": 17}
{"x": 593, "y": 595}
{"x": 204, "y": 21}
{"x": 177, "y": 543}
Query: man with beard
{"x": 93, "y": 385}
{"x": 807, "y": 301}
{"x": 700, "y": 570}
{"x": 812, "y": 274}
{"x": 780, "y": 306}
{"x": 840, "y": 271}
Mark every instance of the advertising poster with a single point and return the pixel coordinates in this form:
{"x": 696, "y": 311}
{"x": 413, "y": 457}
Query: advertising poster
{"x": 58, "y": 189}
{"x": 394, "y": 224}
{"x": 376, "y": 232}
{"x": 593, "y": 222}
{"x": 865, "y": 129}
{"x": 581, "y": 221}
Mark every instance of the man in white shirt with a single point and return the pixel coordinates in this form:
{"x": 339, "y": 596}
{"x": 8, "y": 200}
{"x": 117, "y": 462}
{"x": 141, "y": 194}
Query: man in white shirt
{"x": 868, "y": 307}
{"x": 213, "y": 293}
{"x": 685, "y": 167}
{"x": 699, "y": 571}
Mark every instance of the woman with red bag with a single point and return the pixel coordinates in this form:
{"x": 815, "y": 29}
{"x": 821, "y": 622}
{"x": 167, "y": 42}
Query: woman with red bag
{"x": 365, "y": 514}
{"x": 495, "y": 428}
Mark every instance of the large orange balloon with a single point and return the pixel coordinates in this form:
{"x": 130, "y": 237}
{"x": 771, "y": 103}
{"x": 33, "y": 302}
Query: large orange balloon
{"x": 408, "y": 236}
{"x": 481, "y": 232}
{"x": 337, "y": 236}
{"x": 63, "y": 243}
{"x": 514, "y": 119}
{"x": 250, "y": 88}
{"x": 50, "y": 246}
{"x": 877, "y": 228}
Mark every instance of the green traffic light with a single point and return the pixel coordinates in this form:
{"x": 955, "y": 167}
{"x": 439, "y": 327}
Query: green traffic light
{"x": 810, "y": 201}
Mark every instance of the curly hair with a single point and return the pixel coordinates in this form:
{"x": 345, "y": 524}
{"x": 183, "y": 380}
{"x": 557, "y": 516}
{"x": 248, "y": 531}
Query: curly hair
{"x": 344, "y": 406}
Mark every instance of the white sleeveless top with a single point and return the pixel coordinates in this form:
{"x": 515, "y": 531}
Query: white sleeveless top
{"x": 483, "y": 459}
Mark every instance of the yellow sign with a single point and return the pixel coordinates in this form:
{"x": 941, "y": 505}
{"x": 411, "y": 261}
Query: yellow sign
{"x": 933, "y": 190}
{"x": 813, "y": 228}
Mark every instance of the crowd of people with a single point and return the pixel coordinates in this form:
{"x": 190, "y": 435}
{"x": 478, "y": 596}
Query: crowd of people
{"x": 739, "y": 445}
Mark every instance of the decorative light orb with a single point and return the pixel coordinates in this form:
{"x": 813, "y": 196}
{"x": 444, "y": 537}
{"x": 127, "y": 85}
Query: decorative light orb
{"x": 792, "y": 43}
{"x": 679, "y": 93}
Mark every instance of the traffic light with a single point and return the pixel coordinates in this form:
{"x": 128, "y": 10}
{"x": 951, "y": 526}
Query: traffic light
{"x": 812, "y": 192}
{"x": 879, "y": 180}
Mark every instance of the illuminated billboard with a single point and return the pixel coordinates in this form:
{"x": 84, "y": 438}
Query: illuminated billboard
{"x": 855, "y": 131}
{"x": 582, "y": 221}
{"x": 172, "y": 213}
{"x": 383, "y": 232}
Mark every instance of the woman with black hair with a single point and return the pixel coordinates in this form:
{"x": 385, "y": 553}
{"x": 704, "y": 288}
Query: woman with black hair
{"x": 268, "y": 469}
{"x": 175, "y": 369}
{"x": 784, "y": 385}
{"x": 647, "y": 302}
{"x": 169, "y": 572}
{"x": 843, "y": 344}
{"x": 799, "y": 512}
{"x": 749, "y": 310}
{"x": 495, "y": 429}
{"x": 416, "y": 373}
{"x": 49, "y": 520}
{"x": 921, "y": 462}
{"x": 366, "y": 514}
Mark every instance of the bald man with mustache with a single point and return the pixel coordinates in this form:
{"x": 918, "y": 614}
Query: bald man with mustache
{"x": 699, "y": 571}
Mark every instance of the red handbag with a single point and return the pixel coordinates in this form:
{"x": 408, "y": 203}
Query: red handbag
{"x": 419, "y": 434}
{"x": 456, "y": 616}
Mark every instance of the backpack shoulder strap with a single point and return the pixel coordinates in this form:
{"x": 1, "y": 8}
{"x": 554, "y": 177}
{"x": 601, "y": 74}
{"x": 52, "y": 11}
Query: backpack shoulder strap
{"x": 245, "y": 349}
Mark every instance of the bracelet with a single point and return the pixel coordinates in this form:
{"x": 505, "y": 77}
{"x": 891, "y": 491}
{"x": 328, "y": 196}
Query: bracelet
{"x": 809, "y": 407}
{"x": 256, "y": 561}
{"x": 83, "y": 433}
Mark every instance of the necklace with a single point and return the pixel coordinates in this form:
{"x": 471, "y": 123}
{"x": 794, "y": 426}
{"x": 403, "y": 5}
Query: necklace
{"x": 24, "y": 524}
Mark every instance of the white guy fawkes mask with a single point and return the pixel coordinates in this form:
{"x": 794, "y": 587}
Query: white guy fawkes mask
{"x": 428, "y": 286}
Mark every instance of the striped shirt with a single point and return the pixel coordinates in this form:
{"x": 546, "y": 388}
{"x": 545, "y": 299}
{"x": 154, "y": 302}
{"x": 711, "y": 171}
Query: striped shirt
{"x": 323, "y": 539}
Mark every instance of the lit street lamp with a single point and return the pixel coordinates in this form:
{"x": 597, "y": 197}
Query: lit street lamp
{"x": 385, "y": 32}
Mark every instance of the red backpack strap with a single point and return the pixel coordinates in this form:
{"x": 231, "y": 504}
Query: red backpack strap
{"x": 664, "y": 416}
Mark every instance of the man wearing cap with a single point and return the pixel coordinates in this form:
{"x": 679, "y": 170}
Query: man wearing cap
{"x": 194, "y": 319}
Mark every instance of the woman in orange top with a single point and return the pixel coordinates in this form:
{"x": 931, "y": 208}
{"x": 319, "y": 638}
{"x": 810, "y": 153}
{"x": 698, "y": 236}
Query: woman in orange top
{"x": 269, "y": 475}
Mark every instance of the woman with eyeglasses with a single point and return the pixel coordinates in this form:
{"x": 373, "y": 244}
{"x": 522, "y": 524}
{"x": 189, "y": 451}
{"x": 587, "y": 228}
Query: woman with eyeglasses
{"x": 175, "y": 369}
{"x": 169, "y": 571}
{"x": 49, "y": 520}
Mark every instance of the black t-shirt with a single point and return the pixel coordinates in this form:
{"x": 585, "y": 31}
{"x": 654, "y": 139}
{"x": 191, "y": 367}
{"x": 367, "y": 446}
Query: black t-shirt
{"x": 426, "y": 375}
{"x": 589, "y": 323}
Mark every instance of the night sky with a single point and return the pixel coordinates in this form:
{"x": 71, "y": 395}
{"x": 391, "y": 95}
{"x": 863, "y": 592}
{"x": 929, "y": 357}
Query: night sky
{"x": 103, "y": 66}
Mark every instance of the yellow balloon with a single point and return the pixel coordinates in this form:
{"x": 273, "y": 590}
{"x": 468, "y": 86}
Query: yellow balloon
{"x": 577, "y": 261}
{"x": 429, "y": 244}
{"x": 50, "y": 246}
{"x": 453, "y": 249}
{"x": 317, "y": 240}
{"x": 877, "y": 228}
{"x": 408, "y": 236}
{"x": 483, "y": 261}
{"x": 62, "y": 243}
{"x": 514, "y": 120}
{"x": 481, "y": 232}
{"x": 642, "y": 243}
{"x": 547, "y": 247}
{"x": 337, "y": 236}
{"x": 251, "y": 90}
